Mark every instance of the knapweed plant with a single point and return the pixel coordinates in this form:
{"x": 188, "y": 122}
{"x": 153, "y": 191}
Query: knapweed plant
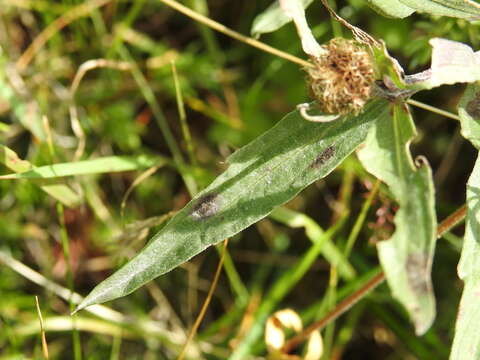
{"x": 360, "y": 100}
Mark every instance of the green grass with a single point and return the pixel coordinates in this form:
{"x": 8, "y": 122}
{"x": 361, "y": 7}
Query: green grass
{"x": 134, "y": 138}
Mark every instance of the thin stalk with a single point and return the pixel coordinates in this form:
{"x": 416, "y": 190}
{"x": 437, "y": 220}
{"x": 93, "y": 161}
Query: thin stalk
{"x": 236, "y": 283}
{"x": 361, "y": 219}
{"x": 281, "y": 288}
{"x": 77, "y": 351}
{"x": 233, "y": 34}
{"x": 433, "y": 109}
{"x": 336, "y": 27}
{"x": 204, "y": 308}
{"x": 183, "y": 118}
{"x": 446, "y": 225}
{"x": 42, "y": 329}
{"x": 340, "y": 309}
{"x": 269, "y": 49}
{"x": 149, "y": 96}
{"x": 206, "y": 33}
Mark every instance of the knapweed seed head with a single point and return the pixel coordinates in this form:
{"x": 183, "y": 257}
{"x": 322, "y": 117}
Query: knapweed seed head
{"x": 342, "y": 78}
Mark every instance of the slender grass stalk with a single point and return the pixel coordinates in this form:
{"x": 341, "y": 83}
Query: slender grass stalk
{"x": 42, "y": 329}
{"x": 234, "y": 278}
{"x": 77, "y": 350}
{"x": 269, "y": 49}
{"x": 280, "y": 289}
{"x": 149, "y": 96}
{"x": 183, "y": 117}
{"x": 361, "y": 219}
{"x": 204, "y": 308}
{"x": 233, "y": 34}
{"x": 206, "y": 33}
{"x": 451, "y": 221}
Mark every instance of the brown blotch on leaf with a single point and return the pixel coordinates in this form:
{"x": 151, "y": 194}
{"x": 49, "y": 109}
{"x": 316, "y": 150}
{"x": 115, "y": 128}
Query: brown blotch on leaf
{"x": 206, "y": 207}
{"x": 324, "y": 156}
{"x": 418, "y": 272}
{"x": 342, "y": 78}
{"x": 473, "y": 107}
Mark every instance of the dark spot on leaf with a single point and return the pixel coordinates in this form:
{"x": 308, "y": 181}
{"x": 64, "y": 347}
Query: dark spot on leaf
{"x": 418, "y": 272}
{"x": 473, "y": 107}
{"x": 207, "y": 206}
{"x": 324, "y": 156}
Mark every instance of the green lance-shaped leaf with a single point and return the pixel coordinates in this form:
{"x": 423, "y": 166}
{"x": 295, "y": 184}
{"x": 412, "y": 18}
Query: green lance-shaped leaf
{"x": 102, "y": 165}
{"x": 391, "y": 8}
{"x": 466, "y": 343}
{"x": 59, "y": 191}
{"x": 407, "y": 256}
{"x": 273, "y": 18}
{"x": 464, "y": 9}
{"x": 264, "y": 174}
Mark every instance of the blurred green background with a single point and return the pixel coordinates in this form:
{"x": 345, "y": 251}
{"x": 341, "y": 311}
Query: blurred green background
{"x": 232, "y": 93}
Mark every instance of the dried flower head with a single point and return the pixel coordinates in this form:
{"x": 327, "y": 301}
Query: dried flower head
{"x": 342, "y": 77}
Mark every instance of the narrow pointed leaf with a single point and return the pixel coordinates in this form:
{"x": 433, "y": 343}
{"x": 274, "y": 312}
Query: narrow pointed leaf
{"x": 391, "y": 8}
{"x": 273, "y": 18}
{"x": 466, "y": 343}
{"x": 95, "y": 166}
{"x": 464, "y": 9}
{"x": 61, "y": 192}
{"x": 264, "y": 174}
{"x": 407, "y": 256}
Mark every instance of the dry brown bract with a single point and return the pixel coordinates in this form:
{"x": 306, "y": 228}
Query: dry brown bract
{"x": 341, "y": 80}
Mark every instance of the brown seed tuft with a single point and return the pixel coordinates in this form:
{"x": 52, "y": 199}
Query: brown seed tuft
{"x": 342, "y": 79}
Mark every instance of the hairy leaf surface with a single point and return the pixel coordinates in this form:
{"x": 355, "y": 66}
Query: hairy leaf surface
{"x": 261, "y": 176}
{"x": 407, "y": 256}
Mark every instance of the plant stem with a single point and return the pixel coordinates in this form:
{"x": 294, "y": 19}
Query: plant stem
{"x": 361, "y": 219}
{"x": 203, "y": 310}
{"x": 183, "y": 118}
{"x": 433, "y": 109}
{"x": 267, "y": 48}
{"x": 233, "y": 34}
{"x": 452, "y": 220}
